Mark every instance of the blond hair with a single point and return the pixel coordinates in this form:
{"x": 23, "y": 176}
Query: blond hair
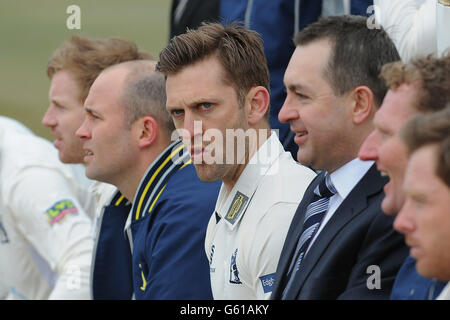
{"x": 432, "y": 74}
{"x": 433, "y": 128}
{"x": 85, "y": 58}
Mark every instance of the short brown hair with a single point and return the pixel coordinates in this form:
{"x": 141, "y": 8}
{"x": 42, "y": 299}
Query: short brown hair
{"x": 357, "y": 53}
{"x": 144, "y": 93}
{"x": 427, "y": 129}
{"x": 239, "y": 50}
{"x": 86, "y": 58}
{"x": 431, "y": 73}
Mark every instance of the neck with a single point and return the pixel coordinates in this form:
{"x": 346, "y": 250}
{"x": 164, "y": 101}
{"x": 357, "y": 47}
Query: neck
{"x": 262, "y": 135}
{"x": 130, "y": 183}
{"x": 342, "y": 158}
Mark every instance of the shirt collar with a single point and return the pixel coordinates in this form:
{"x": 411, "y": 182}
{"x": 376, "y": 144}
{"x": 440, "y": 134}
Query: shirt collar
{"x": 259, "y": 165}
{"x": 346, "y": 177}
{"x": 169, "y": 161}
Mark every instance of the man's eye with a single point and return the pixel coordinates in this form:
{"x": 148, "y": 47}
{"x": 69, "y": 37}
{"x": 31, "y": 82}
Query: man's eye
{"x": 177, "y": 112}
{"x": 58, "y": 106}
{"x": 92, "y": 116}
{"x": 205, "y": 105}
{"x": 384, "y": 135}
{"x": 301, "y": 96}
{"x": 419, "y": 201}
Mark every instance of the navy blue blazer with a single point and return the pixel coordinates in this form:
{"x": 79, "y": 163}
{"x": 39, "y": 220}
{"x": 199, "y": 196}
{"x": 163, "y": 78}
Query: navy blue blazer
{"x": 169, "y": 218}
{"x": 339, "y": 264}
{"x": 112, "y": 277}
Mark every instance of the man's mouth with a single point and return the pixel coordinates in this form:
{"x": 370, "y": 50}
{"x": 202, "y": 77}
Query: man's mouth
{"x": 57, "y": 143}
{"x": 300, "y": 136}
{"x": 414, "y": 247}
{"x": 87, "y": 154}
{"x": 383, "y": 172}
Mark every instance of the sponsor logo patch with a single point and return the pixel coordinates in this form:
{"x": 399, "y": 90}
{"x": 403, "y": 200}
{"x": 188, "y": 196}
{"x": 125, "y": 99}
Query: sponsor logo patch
{"x": 267, "y": 282}
{"x": 59, "y": 210}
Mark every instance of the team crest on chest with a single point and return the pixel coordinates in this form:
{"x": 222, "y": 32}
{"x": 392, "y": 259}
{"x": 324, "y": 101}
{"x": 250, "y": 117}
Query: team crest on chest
{"x": 236, "y": 208}
{"x": 234, "y": 273}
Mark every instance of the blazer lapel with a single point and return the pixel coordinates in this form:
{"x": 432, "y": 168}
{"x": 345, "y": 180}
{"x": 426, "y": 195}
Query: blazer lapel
{"x": 352, "y": 205}
{"x": 293, "y": 236}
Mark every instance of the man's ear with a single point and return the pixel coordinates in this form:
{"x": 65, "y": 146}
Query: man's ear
{"x": 147, "y": 131}
{"x": 257, "y": 101}
{"x": 363, "y": 104}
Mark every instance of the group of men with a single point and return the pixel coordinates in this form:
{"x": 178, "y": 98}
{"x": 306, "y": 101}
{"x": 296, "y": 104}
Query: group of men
{"x": 194, "y": 195}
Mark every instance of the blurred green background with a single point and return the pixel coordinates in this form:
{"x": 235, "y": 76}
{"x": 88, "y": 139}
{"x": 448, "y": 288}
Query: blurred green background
{"x": 30, "y": 30}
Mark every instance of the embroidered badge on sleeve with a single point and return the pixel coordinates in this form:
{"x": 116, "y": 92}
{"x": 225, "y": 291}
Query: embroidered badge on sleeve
{"x": 59, "y": 210}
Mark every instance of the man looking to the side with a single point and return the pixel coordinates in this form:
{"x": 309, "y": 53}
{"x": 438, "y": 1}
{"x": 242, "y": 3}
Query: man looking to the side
{"x": 217, "y": 93}
{"x": 127, "y": 142}
{"x": 419, "y": 86}
{"x": 425, "y": 217}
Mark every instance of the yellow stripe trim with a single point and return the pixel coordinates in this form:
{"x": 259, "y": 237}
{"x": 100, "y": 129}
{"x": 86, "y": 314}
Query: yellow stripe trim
{"x": 144, "y": 282}
{"x": 119, "y": 200}
{"x": 156, "y": 199}
{"x": 153, "y": 178}
{"x": 184, "y": 165}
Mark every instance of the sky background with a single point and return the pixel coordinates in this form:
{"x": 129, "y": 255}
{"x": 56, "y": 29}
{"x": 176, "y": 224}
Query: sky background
{"x": 31, "y": 30}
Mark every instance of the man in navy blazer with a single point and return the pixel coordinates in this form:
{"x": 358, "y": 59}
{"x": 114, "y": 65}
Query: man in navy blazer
{"x": 333, "y": 91}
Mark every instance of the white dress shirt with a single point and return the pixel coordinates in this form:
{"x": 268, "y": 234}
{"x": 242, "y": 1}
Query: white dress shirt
{"x": 246, "y": 233}
{"x": 344, "y": 180}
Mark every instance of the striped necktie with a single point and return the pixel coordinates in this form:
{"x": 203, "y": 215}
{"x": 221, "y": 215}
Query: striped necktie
{"x": 315, "y": 213}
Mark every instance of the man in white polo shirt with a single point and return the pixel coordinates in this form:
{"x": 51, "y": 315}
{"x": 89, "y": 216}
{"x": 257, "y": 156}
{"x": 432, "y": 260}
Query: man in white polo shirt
{"x": 45, "y": 232}
{"x": 217, "y": 93}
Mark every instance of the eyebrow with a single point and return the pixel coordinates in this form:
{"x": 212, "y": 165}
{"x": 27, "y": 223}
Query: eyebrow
{"x": 195, "y": 103}
{"x": 91, "y": 111}
{"x": 56, "y": 100}
{"x": 296, "y": 87}
{"x": 415, "y": 193}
